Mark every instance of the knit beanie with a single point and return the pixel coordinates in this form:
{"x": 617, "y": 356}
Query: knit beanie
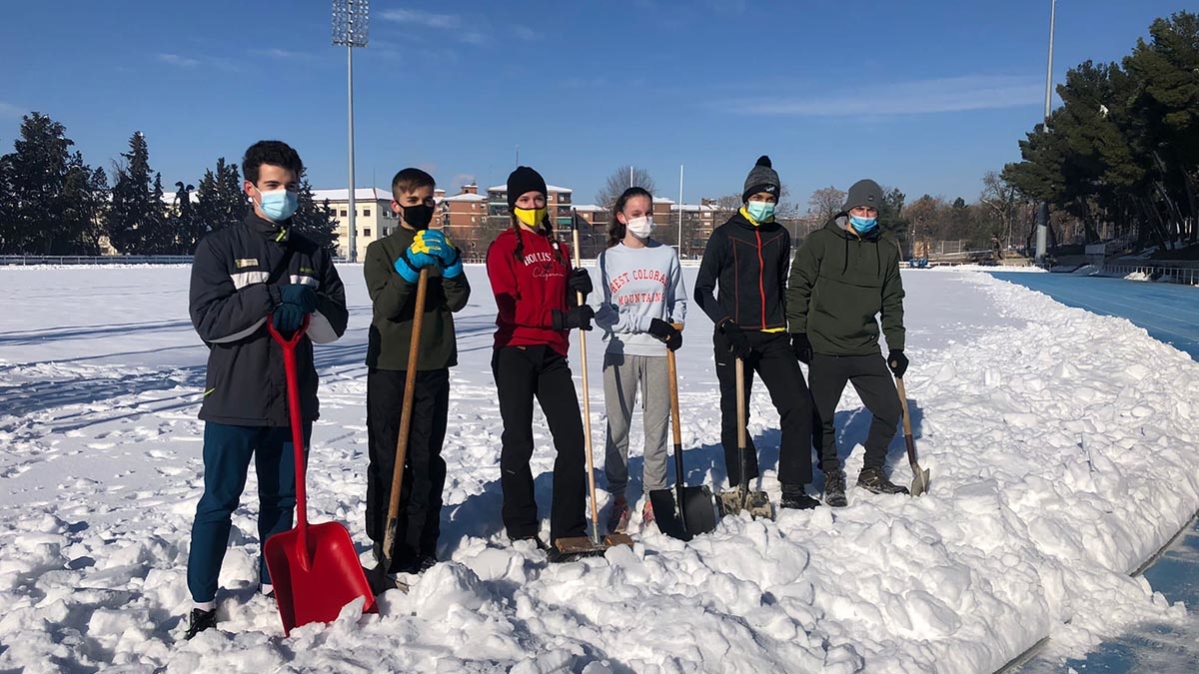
{"x": 863, "y": 193}
{"x": 762, "y": 178}
{"x": 524, "y": 179}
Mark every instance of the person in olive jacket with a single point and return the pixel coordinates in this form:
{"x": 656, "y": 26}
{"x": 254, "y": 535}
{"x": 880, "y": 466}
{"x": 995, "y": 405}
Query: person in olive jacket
{"x": 842, "y": 277}
{"x": 392, "y": 270}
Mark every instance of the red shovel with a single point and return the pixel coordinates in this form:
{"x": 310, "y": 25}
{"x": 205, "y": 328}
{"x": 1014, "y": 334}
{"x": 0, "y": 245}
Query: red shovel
{"x": 314, "y": 568}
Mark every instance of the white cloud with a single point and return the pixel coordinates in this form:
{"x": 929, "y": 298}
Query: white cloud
{"x": 9, "y": 110}
{"x": 421, "y": 18}
{"x": 177, "y": 60}
{"x": 460, "y": 180}
{"x": 949, "y": 94}
{"x": 524, "y": 33}
{"x": 282, "y": 54}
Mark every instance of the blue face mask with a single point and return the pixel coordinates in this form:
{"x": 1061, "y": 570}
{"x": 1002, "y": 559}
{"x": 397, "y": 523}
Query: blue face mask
{"x": 279, "y": 205}
{"x": 760, "y": 211}
{"x": 862, "y": 225}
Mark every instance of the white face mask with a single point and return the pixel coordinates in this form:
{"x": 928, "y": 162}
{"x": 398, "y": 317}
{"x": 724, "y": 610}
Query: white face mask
{"x": 641, "y": 227}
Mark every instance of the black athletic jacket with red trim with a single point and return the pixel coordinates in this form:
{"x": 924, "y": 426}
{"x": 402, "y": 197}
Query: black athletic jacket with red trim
{"x": 743, "y": 276}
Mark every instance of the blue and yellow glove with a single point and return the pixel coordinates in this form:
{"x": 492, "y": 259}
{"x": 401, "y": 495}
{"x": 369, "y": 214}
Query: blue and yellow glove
{"x": 430, "y": 248}
{"x": 437, "y": 244}
{"x": 415, "y": 258}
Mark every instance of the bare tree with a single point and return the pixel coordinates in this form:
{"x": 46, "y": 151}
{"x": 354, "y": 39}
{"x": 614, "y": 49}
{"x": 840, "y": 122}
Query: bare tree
{"x": 1001, "y": 197}
{"x": 825, "y": 203}
{"x": 622, "y": 179}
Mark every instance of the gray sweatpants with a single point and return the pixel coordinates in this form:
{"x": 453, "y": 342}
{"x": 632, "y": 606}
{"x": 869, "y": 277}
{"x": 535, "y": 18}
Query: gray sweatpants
{"x": 622, "y": 374}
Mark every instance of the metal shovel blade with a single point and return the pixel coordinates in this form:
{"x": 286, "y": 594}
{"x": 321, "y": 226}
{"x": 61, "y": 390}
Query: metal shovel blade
{"x": 920, "y": 480}
{"x": 697, "y": 514}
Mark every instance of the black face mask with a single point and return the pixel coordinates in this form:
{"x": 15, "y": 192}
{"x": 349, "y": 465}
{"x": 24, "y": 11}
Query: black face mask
{"x": 418, "y": 216}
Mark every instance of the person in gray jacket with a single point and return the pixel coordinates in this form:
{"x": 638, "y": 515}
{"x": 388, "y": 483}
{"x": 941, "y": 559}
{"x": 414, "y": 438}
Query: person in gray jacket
{"x": 642, "y": 300}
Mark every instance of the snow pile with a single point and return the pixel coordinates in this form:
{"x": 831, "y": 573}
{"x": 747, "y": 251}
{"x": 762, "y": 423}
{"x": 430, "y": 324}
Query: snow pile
{"x": 1138, "y": 276}
{"x": 989, "y": 268}
{"x": 1060, "y": 445}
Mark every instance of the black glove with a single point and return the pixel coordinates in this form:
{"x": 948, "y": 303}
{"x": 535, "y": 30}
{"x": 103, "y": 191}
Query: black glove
{"x": 897, "y": 362}
{"x": 578, "y": 317}
{"x": 295, "y": 302}
{"x": 667, "y": 333}
{"x": 580, "y": 282}
{"x": 802, "y": 347}
{"x": 738, "y": 342}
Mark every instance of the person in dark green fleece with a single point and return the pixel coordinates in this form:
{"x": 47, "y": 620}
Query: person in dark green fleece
{"x": 392, "y": 270}
{"x": 842, "y": 277}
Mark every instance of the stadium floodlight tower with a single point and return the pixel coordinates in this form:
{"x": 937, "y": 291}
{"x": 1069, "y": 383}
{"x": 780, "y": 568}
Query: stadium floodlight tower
{"x": 351, "y": 28}
{"x": 1043, "y": 207}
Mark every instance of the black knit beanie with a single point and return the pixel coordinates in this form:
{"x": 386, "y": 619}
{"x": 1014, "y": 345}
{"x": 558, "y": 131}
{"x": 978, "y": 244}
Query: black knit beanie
{"x": 524, "y": 179}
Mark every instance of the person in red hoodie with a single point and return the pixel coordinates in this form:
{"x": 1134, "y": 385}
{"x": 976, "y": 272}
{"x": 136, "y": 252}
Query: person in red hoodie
{"x": 536, "y": 292}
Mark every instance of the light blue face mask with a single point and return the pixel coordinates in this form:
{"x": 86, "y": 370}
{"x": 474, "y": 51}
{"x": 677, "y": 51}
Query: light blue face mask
{"x": 863, "y": 225}
{"x": 760, "y": 211}
{"x": 279, "y": 205}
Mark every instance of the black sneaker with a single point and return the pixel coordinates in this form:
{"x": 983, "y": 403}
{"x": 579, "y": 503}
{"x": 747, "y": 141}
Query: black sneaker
{"x": 873, "y": 480}
{"x": 541, "y": 545}
{"x": 419, "y": 565}
{"x": 200, "y": 621}
{"x": 834, "y": 489}
{"x": 795, "y": 498}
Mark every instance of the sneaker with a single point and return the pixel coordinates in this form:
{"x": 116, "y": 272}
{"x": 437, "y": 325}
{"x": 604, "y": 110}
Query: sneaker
{"x": 200, "y": 620}
{"x": 834, "y": 489}
{"x": 647, "y": 514}
{"x": 873, "y": 480}
{"x": 536, "y": 540}
{"x": 419, "y": 565}
{"x": 795, "y": 498}
{"x": 618, "y": 516}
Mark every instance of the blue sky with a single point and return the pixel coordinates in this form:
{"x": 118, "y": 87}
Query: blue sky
{"x": 926, "y": 96}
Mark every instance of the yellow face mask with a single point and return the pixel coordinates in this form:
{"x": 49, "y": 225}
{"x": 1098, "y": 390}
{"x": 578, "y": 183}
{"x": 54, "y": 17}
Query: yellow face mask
{"x": 530, "y": 217}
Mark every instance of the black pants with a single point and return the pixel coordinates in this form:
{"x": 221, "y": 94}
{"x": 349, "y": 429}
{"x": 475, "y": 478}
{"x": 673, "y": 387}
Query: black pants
{"x": 774, "y": 361}
{"x": 872, "y": 380}
{"x": 419, "y": 517}
{"x": 522, "y": 373}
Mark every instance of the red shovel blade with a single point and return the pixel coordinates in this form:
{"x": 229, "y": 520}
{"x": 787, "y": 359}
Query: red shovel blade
{"x": 314, "y": 585}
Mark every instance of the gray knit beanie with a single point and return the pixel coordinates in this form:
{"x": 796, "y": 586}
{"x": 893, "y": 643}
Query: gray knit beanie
{"x": 762, "y": 178}
{"x": 864, "y": 193}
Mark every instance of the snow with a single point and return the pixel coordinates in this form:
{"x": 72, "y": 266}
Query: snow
{"x": 1060, "y": 445}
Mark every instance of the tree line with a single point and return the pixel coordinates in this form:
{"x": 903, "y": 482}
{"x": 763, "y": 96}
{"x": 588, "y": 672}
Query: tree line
{"x": 1121, "y": 154}
{"x": 53, "y": 203}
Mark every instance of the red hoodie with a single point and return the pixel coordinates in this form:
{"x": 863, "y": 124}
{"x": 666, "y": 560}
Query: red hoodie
{"x": 527, "y": 291}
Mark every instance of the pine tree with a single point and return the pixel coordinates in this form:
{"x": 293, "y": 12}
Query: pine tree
{"x": 220, "y": 200}
{"x": 315, "y": 221}
{"x": 136, "y": 220}
{"x": 48, "y": 195}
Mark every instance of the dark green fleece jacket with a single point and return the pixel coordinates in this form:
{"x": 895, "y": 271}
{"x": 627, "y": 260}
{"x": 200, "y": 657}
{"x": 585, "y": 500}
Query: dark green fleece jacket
{"x": 840, "y": 281}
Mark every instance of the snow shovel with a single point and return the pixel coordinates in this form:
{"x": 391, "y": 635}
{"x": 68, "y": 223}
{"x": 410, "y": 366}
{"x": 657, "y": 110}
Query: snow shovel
{"x": 314, "y": 567}
{"x": 576, "y": 547}
{"x": 920, "y": 476}
{"x": 733, "y": 502}
{"x": 380, "y": 581}
{"x": 695, "y": 512}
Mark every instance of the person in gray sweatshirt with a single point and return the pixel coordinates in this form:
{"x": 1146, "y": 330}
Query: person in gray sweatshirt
{"x": 643, "y": 300}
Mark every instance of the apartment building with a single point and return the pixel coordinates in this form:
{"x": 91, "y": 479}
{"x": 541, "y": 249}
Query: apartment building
{"x": 374, "y": 219}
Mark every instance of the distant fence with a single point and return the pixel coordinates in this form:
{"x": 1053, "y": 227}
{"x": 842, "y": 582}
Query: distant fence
{"x": 26, "y": 260}
{"x": 1186, "y": 275}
